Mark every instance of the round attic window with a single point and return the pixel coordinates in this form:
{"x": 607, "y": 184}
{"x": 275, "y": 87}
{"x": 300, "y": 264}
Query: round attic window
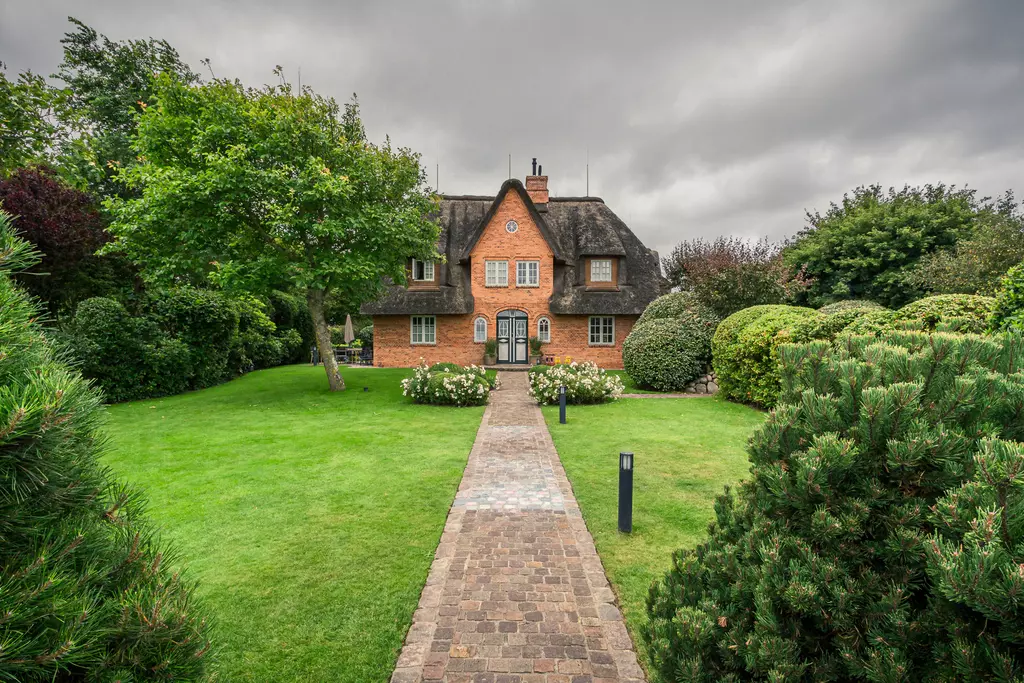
{"x": 511, "y": 226}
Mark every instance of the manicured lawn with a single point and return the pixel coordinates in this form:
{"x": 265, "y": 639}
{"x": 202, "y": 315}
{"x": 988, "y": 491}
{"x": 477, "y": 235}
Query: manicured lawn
{"x": 310, "y": 518}
{"x": 686, "y": 449}
{"x": 629, "y": 384}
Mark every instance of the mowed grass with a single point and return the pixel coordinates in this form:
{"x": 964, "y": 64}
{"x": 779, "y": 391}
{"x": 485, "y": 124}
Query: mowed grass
{"x": 310, "y": 518}
{"x": 686, "y": 450}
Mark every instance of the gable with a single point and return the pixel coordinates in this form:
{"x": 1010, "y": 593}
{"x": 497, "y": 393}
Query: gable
{"x": 514, "y": 187}
{"x": 494, "y": 239}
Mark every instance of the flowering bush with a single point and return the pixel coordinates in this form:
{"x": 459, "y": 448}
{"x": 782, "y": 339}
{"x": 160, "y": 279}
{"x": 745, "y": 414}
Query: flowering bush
{"x": 448, "y": 385}
{"x": 584, "y": 383}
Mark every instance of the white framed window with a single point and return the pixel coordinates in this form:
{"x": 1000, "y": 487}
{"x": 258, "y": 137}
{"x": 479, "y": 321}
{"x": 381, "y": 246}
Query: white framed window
{"x": 544, "y": 330}
{"x": 527, "y": 273}
{"x": 424, "y": 329}
{"x": 496, "y": 273}
{"x": 601, "y": 270}
{"x": 602, "y": 330}
{"x": 422, "y": 270}
{"x": 480, "y": 330}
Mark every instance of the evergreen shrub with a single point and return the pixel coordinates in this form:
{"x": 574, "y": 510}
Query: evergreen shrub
{"x": 744, "y": 351}
{"x": 670, "y": 345}
{"x": 87, "y": 591}
{"x": 675, "y": 305}
{"x": 881, "y": 534}
{"x": 969, "y": 312}
{"x": 851, "y": 304}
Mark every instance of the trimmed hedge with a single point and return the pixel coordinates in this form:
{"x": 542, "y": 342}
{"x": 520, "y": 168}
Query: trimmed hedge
{"x": 744, "y": 349}
{"x": 966, "y": 312}
{"x": 670, "y": 344}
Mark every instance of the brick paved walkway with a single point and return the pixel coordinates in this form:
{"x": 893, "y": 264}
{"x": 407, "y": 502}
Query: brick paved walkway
{"x": 516, "y": 593}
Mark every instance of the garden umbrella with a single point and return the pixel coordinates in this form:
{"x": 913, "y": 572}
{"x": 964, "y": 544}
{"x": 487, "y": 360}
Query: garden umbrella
{"x": 349, "y": 334}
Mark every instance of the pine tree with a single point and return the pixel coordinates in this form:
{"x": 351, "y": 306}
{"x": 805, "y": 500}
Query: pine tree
{"x": 881, "y": 534}
{"x": 86, "y": 591}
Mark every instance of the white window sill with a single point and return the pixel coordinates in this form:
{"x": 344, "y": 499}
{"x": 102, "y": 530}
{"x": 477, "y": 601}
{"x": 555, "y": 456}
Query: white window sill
{"x": 423, "y": 343}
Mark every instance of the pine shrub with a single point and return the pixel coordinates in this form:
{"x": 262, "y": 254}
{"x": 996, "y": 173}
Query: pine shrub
{"x": 881, "y": 534}
{"x": 87, "y": 592}
{"x": 744, "y": 351}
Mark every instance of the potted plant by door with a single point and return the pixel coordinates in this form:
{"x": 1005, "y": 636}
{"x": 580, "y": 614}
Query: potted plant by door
{"x": 490, "y": 352}
{"x": 535, "y": 344}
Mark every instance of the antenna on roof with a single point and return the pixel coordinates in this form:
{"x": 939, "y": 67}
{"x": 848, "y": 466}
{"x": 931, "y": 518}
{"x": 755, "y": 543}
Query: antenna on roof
{"x": 588, "y": 172}
{"x": 510, "y": 167}
{"x": 437, "y": 177}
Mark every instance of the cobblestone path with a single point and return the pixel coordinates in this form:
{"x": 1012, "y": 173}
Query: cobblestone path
{"x": 516, "y": 593}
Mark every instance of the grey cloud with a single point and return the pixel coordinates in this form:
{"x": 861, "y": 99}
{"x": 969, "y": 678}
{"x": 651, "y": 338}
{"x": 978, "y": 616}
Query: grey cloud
{"x": 699, "y": 118}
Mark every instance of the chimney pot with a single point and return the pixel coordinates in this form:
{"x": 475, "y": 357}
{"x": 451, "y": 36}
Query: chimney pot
{"x": 537, "y": 187}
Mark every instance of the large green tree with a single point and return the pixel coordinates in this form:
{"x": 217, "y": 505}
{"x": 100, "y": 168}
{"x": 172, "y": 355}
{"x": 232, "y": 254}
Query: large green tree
{"x": 106, "y": 84}
{"x": 27, "y": 122}
{"x": 248, "y": 187}
{"x": 868, "y": 246}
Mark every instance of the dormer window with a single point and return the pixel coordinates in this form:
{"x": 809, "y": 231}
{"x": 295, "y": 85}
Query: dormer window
{"x": 422, "y": 271}
{"x": 601, "y": 270}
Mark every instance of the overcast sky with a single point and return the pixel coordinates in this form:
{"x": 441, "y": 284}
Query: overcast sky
{"x": 700, "y": 118}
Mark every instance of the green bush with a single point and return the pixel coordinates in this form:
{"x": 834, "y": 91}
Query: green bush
{"x": 850, "y": 304}
{"x": 257, "y": 344}
{"x": 206, "y": 322}
{"x": 290, "y": 315}
{"x": 829, "y": 324}
{"x": 676, "y": 305}
{"x": 670, "y": 345}
{"x": 668, "y": 354}
{"x": 744, "y": 351}
{"x": 1008, "y": 308}
{"x": 880, "y": 536}
{"x": 365, "y": 335}
{"x": 89, "y": 593}
{"x": 128, "y": 357}
{"x": 446, "y": 367}
{"x": 969, "y": 312}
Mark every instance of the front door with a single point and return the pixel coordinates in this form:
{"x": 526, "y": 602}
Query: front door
{"x": 513, "y": 338}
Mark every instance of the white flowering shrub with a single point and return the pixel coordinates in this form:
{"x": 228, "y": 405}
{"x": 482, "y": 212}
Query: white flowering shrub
{"x": 448, "y": 385}
{"x": 584, "y": 383}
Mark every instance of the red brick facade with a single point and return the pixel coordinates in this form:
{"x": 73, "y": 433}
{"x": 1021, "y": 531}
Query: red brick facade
{"x": 454, "y": 333}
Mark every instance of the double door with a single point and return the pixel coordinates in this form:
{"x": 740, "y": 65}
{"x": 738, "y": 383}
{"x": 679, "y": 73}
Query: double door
{"x": 513, "y": 337}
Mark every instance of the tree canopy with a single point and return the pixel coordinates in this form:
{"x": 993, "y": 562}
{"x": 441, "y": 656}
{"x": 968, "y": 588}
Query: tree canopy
{"x": 247, "y": 187}
{"x": 867, "y": 246}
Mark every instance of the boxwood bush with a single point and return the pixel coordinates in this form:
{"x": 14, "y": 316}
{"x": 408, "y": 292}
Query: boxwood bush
{"x": 850, "y": 304}
{"x": 670, "y": 345}
{"x": 744, "y": 351}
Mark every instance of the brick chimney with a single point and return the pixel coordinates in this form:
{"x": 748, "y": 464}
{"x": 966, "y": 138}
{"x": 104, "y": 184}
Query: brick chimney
{"x": 537, "y": 186}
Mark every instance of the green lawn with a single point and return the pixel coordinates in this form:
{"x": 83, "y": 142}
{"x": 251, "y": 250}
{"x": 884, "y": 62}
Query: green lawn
{"x": 629, "y": 384}
{"x": 310, "y": 518}
{"x": 686, "y": 449}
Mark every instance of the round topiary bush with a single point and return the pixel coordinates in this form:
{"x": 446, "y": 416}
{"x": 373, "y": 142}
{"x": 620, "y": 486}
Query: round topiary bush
{"x": 744, "y": 351}
{"x": 676, "y": 305}
{"x": 829, "y": 325}
{"x": 668, "y": 354}
{"x": 968, "y": 312}
{"x": 670, "y": 345}
{"x": 850, "y": 304}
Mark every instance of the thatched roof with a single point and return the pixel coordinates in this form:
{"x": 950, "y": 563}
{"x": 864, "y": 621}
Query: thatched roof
{"x": 575, "y": 228}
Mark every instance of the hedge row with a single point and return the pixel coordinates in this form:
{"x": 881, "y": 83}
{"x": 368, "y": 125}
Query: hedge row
{"x": 745, "y": 346}
{"x": 183, "y": 339}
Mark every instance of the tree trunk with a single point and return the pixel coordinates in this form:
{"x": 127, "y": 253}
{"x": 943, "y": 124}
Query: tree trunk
{"x": 315, "y": 299}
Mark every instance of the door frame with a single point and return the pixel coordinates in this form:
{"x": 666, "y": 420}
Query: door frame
{"x": 513, "y": 316}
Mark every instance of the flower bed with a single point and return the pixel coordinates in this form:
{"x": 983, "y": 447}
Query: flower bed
{"x": 446, "y": 384}
{"x": 584, "y": 383}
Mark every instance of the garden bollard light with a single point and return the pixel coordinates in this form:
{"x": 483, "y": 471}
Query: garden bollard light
{"x": 561, "y": 404}
{"x": 625, "y": 492}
